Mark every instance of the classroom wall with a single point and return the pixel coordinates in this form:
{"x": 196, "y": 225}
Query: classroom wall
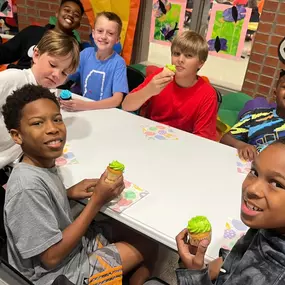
{"x": 31, "y": 11}
{"x": 264, "y": 65}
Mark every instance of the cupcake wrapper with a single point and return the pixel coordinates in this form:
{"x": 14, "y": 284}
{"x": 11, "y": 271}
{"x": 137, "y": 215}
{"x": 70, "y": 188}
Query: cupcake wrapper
{"x": 112, "y": 175}
{"x": 195, "y": 239}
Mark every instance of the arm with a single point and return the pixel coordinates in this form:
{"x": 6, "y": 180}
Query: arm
{"x": 111, "y": 102}
{"x": 133, "y": 101}
{"x": 196, "y": 273}
{"x": 71, "y": 235}
{"x": 30, "y": 213}
{"x": 81, "y": 105}
{"x": 103, "y": 193}
{"x": 152, "y": 86}
{"x": 245, "y": 150}
{"x": 13, "y": 49}
{"x": 230, "y": 140}
{"x": 238, "y": 139}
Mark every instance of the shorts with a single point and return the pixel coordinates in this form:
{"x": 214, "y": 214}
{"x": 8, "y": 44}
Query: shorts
{"x": 105, "y": 265}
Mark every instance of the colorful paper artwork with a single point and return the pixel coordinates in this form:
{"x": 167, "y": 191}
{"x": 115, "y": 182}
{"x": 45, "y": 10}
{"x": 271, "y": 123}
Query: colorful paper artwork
{"x": 243, "y": 166}
{"x": 131, "y": 194}
{"x": 167, "y": 19}
{"x": 66, "y": 158}
{"x": 234, "y": 230}
{"x": 6, "y": 8}
{"x": 227, "y": 30}
{"x": 159, "y": 132}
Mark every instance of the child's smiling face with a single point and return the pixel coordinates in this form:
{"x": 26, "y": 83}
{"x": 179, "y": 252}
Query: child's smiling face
{"x": 42, "y": 132}
{"x": 69, "y": 16}
{"x": 105, "y": 34}
{"x": 263, "y": 191}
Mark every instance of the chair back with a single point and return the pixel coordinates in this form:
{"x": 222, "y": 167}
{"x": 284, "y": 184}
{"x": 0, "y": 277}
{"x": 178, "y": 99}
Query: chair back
{"x": 135, "y": 78}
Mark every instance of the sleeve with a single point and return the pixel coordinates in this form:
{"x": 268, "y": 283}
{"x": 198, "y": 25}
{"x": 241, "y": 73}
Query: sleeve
{"x": 13, "y": 49}
{"x": 12, "y": 81}
{"x": 146, "y": 81}
{"x": 143, "y": 110}
{"x": 120, "y": 82}
{"x": 31, "y": 222}
{"x": 205, "y": 125}
{"x": 193, "y": 277}
{"x": 241, "y": 128}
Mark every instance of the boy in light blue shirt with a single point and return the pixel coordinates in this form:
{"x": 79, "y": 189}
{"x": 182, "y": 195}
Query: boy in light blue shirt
{"x": 102, "y": 74}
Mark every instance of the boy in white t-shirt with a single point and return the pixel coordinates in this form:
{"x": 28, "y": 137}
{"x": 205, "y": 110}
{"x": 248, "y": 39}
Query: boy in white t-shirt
{"x": 55, "y": 57}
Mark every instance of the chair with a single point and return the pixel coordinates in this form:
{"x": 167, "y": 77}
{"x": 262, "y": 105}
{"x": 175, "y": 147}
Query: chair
{"x": 231, "y": 106}
{"x": 10, "y": 276}
{"x": 219, "y": 97}
{"x": 135, "y": 78}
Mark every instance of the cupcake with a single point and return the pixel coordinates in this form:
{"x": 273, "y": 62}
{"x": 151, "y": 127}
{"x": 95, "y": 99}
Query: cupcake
{"x": 115, "y": 170}
{"x": 199, "y": 229}
{"x": 65, "y": 95}
{"x": 171, "y": 67}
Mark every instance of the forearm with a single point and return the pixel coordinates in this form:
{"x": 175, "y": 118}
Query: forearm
{"x": 111, "y": 102}
{"x": 72, "y": 235}
{"x": 230, "y": 140}
{"x": 134, "y": 101}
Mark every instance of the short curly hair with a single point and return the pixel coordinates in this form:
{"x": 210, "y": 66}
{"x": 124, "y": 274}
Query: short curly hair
{"x": 12, "y": 110}
{"x": 78, "y": 2}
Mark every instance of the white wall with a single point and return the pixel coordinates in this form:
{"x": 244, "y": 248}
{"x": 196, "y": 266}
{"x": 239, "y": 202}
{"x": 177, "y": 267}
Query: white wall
{"x": 221, "y": 72}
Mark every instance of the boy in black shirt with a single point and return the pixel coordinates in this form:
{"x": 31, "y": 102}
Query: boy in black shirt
{"x": 20, "y": 48}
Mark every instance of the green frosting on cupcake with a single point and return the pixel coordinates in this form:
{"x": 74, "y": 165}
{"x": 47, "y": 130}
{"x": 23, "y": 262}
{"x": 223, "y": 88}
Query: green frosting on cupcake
{"x": 116, "y": 165}
{"x": 171, "y": 67}
{"x": 199, "y": 224}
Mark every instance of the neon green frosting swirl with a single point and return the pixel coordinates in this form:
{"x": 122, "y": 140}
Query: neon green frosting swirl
{"x": 199, "y": 224}
{"x": 171, "y": 67}
{"x": 116, "y": 165}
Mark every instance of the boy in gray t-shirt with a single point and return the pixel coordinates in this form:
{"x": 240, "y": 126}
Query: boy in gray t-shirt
{"x": 43, "y": 239}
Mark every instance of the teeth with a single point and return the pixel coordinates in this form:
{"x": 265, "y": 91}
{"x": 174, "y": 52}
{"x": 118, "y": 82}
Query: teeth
{"x": 251, "y": 207}
{"x": 68, "y": 21}
{"x": 54, "y": 142}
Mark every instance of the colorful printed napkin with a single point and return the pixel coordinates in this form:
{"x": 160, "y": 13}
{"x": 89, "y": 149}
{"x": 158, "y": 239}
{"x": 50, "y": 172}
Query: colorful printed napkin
{"x": 159, "y": 132}
{"x": 234, "y": 230}
{"x": 131, "y": 194}
{"x": 243, "y": 166}
{"x": 67, "y": 157}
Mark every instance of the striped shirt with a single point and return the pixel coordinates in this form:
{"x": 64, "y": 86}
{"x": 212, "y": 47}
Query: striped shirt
{"x": 259, "y": 127}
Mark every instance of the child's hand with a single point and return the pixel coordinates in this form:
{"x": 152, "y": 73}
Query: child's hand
{"x": 159, "y": 81}
{"x": 73, "y": 105}
{"x": 190, "y": 260}
{"x": 247, "y": 152}
{"x": 105, "y": 192}
{"x": 82, "y": 190}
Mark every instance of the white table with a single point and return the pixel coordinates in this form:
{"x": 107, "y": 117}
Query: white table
{"x": 188, "y": 177}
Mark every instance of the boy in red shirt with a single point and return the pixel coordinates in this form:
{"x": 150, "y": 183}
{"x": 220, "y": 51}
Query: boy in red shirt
{"x": 182, "y": 99}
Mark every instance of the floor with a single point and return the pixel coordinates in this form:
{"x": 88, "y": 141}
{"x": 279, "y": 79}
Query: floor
{"x": 166, "y": 264}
